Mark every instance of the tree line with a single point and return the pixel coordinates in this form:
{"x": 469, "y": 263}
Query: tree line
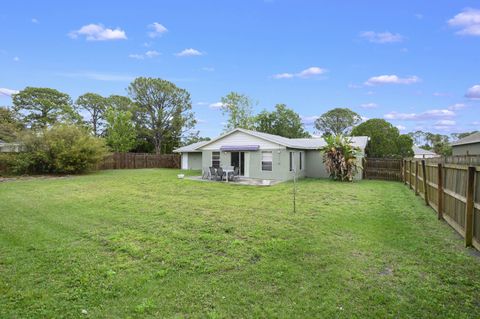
{"x": 156, "y": 116}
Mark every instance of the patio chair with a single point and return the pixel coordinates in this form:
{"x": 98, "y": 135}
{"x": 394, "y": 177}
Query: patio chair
{"x": 236, "y": 174}
{"x": 213, "y": 172}
{"x": 206, "y": 173}
{"x": 220, "y": 173}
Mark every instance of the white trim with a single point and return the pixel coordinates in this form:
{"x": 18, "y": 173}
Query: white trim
{"x": 184, "y": 160}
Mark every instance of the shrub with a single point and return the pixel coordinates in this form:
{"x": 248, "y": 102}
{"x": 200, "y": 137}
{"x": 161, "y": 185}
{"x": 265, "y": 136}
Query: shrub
{"x": 61, "y": 149}
{"x": 340, "y": 158}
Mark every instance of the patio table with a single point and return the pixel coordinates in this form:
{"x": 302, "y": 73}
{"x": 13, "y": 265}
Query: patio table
{"x": 227, "y": 170}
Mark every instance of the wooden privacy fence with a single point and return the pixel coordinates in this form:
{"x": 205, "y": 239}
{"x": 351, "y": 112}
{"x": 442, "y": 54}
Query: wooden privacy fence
{"x": 382, "y": 168}
{"x": 139, "y": 160}
{"x": 452, "y": 190}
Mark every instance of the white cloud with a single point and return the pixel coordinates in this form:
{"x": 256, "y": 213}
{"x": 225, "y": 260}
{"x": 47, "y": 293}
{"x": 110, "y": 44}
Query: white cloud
{"x": 468, "y": 21}
{"x": 189, "y": 52}
{"x": 216, "y": 106}
{"x": 208, "y": 69}
{"x": 157, "y": 30}
{"x": 202, "y": 103}
{"x": 381, "y": 37}
{"x": 283, "y": 76}
{"x": 100, "y": 76}
{"x": 473, "y": 92}
{"x": 152, "y": 53}
{"x": 427, "y": 115}
{"x": 391, "y": 79}
{"x": 307, "y": 73}
{"x": 369, "y": 105}
{"x": 401, "y": 127}
{"x": 7, "y": 92}
{"x": 446, "y": 122}
{"x": 419, "y": 16}
{"x": 457, "y": 106}
{"x": 16, "y": 59}
{"x": 35, "y": 20}
{"x": 136, "y": 56}
{"x": 440, "y": 94}
{"x": 97, "y": 32}
{"x": 309, "y": 120}
{"x": 148, "y": 54}
{"x": 354, "y": 86}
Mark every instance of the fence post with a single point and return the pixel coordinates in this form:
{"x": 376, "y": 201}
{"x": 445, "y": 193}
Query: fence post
{"x": 469, "y": 206}
{"x": 440, "y": 191}
{"x": 405, "y": 172}
{"x": 425, "y": 189}
{"x": 364, "y": 174}
{"x": 416, "y": 177}
{"x": 410, "y": 175}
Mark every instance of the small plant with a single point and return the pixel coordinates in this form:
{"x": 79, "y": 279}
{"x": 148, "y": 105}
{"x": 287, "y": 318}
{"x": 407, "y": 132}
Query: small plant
{"x": 340, "y": 158}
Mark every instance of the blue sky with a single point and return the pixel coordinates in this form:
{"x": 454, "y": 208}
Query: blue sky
{"x": 415, "y": 63}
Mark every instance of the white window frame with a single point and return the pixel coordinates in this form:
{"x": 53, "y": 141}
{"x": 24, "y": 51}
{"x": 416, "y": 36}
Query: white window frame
{"x": 271, "y": 161}
{"x": 218, "y": 159}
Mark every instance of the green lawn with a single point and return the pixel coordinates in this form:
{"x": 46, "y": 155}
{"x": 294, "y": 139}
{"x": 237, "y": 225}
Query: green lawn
{"x": 141, "y": 243}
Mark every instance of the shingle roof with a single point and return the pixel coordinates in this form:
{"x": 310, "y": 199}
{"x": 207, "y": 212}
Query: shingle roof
{"x": 420, "y": 151}
{"x": 190, "y": 148}
{"x": 299, "y": 143}
{"x": 472, "y": 138}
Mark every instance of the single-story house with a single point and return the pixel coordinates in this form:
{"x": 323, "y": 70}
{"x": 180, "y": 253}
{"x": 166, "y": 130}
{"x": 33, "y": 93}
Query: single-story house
{"x": 261, "y": 155}
{"x": 419, "y": 152}
{"x": 469, "y": 145}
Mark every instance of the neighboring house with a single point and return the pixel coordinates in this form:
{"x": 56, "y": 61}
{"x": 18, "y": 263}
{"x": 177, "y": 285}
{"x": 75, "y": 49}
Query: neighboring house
{"x": 469, "y": 145}
{"x": 423, "y": 153}
{"x": 262, "y": 155}
{"x": 10, "y": 147}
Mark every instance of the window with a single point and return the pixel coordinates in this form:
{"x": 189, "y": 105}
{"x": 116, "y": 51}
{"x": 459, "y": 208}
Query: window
{"x": 267, "y": 159}
{"x": 300, "y": 161}
{"x": 291, "y": 161}
{"x": 216, "y": 159}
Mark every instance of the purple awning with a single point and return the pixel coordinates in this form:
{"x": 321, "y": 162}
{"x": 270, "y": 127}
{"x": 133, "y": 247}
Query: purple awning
{"x": 238, "y": 148}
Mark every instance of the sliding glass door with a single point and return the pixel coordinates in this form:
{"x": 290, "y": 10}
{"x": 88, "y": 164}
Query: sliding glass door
{"x": 237, "y": 159}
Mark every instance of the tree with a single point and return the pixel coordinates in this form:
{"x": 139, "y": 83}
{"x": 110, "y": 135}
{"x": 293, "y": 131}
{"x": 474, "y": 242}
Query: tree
{"x": 238, "y": 108}
{"x": 337, "y": 121}
{"x": 437, "y": 143}
{"x": 120, "y": 102}
{"x": 283, "y": 121}
{"x": 385, "y": 139}
{"x": 10, "y": 125}
{"x": 340, "y": 157}
{"x": 163, "y": 110}
{"x": 457, "y": 136}
{"x": 95, "y": 105}
{"x": 42, "y": 107}
{"x": 120, "y": 131}
{"x": 194, "y": 138}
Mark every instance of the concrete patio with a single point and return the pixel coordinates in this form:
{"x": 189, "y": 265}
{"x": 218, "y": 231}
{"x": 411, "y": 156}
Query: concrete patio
{"x": 240, "y": 181}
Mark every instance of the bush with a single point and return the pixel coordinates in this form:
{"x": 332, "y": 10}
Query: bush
{"x": 340, "y": 158}
{"x": 61, "y": 149}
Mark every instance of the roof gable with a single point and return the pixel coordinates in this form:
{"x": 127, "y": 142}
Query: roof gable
{"x": 472, "y": 138}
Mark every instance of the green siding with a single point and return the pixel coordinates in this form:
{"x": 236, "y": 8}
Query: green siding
{"x": 195, "y": 161}
{"x": 472, "y": 149}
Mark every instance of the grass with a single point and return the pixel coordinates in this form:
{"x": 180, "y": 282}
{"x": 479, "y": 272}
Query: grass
{"x": 141, "y": 243}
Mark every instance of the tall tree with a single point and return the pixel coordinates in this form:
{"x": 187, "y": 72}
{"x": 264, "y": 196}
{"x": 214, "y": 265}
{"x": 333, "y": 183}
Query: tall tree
{"x": 385, "y": 139}
{"x": 164, "y": 111}
{"x": 10, "y": 126}
{"x": 120, "y": 102}
{"x": 95, "y": 105}
{"x": 43, "y": 107}
{"x": 457, "y": 136}
{"x": 337, "y": 121}
{"x": 238, "y": 108}
{"x": 120, "y": 131}
{"x": 283, "y": 121}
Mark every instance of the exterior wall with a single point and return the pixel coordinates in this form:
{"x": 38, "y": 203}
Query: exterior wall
{"x": 472, "y": 149}
{"x": 240, "y": 138}
{"x": 280, "y": 165}
{"x": 316, "y": 168}
{"x": 195, "y": 161}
